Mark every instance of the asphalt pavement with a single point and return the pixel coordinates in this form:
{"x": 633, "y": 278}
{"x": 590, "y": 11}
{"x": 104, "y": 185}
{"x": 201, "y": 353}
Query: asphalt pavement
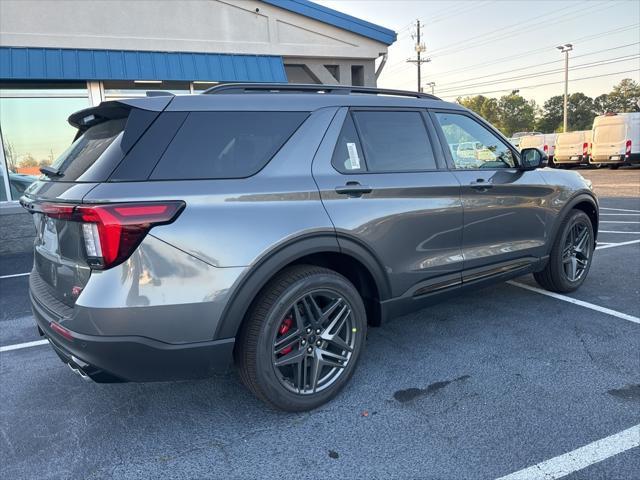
{"x": 489, "y": 384}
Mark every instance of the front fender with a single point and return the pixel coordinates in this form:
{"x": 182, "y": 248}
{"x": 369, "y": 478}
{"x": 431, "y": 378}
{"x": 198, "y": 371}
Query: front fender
{"x": 580, "y": 200}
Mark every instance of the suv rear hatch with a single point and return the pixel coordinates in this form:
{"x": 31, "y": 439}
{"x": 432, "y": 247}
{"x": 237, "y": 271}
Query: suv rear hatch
{"x": 71, "y": 237}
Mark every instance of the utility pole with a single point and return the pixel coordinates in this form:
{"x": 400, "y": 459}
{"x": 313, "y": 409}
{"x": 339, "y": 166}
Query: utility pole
{"x": 420, "y": 47}
{"x": 566, "y": 48}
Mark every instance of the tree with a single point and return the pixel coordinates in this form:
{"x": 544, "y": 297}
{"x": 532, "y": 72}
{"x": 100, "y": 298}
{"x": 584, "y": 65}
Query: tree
{"x": 552, "y": 114}
{"x": 515, "y": 114}
{"x": 603, "y": 104}
{"x": 625, "y": 96}
{"x": 483, "y": 106}
{"x": 580, "y": 112}
{"x": 28, "y": 161}
{"x": 10, "y": 156}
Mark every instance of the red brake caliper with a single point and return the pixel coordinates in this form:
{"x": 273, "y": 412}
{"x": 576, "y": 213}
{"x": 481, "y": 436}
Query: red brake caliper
{"x": 284, "y": 328}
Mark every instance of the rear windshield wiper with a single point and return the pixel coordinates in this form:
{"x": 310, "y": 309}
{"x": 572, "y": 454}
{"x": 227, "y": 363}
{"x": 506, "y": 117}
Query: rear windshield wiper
{"x": 51, "y": 172}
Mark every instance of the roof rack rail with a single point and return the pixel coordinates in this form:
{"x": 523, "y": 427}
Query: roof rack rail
{"x": 311, "y": 88}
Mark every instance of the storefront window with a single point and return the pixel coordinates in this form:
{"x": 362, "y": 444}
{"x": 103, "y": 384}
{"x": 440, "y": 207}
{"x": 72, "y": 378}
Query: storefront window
{"x": 127, "y": 89}
{"x": 34, "y": 127}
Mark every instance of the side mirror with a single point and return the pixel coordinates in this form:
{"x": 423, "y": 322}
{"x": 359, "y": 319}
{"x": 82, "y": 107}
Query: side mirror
{"x": 532, "y": 158}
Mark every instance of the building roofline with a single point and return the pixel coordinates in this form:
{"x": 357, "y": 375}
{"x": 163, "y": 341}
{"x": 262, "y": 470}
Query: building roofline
{"x": 337, "y": 19}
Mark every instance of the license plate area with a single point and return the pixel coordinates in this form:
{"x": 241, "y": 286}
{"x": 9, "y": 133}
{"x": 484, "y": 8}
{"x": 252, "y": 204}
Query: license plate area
{"x": 614, "y": 157}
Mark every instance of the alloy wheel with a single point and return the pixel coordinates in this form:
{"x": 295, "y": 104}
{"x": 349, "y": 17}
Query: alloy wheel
{"x": 576, "y": 253}
{"x": 314, "y": 342}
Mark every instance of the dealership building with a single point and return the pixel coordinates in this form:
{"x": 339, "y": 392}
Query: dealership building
{"x": 59, "y": 56}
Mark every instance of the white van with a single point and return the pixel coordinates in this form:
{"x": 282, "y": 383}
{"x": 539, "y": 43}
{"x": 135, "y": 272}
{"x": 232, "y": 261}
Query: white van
{"x": 572, "y": 148}
{"x": 616, "y": 139}
{"x": 543, "y": 141}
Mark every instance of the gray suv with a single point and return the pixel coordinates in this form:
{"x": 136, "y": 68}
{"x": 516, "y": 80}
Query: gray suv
{"x": 271, "y": 225}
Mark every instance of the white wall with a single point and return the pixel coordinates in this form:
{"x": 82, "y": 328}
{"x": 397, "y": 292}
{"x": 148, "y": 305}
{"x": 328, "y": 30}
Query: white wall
{"x": 194, "y": 25}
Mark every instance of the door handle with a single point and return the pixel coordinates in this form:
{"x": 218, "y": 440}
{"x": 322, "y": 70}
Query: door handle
{"x": 353, "y": 189}
{"x": 481, "y": 184}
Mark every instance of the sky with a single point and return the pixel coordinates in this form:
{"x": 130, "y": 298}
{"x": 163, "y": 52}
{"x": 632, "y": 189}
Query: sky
{"x": 492, "y": 47}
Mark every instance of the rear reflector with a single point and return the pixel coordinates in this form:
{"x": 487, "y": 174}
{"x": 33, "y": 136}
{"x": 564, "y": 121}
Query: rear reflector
{"x": 111, "y": 232}
{"x": 61, "y": 331}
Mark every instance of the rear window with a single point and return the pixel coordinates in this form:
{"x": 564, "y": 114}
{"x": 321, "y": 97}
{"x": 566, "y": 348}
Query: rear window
{"x": 226, "y": 144}
{"x": 84, "y": 152}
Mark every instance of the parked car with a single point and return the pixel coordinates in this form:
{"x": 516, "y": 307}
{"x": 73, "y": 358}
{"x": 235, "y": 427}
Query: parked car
{"x": 543, "y": 141}
{"x": 616, "y": 139}
{"x": 572, "y": 148}
{"x": 274, "y": 224}
{"x": 19, "y": 183}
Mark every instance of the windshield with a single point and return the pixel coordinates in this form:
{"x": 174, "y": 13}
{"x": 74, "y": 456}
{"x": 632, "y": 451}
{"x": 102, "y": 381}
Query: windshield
{"x": 610, "y": 133}
{"x": 83, "y": 153}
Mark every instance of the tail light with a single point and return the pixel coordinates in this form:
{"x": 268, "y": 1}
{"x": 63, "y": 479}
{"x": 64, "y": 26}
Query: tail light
{"x": 546, "y": 149}
{"x": 627, "y": 149}
{"x": 111, "y": 232}
{"x": 585, "y": 149}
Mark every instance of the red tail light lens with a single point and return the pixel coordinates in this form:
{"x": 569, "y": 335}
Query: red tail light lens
{"x": 585, "y": 149}
{"x": 627, "y": 149}
{"x": 112, "y": 232}
{"x": 546, "y": 148}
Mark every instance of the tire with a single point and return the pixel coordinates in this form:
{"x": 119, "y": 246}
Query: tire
{"x": 272, "y": 319}
{"x": 614, "y": 167}
{"x": 555, "y": 277}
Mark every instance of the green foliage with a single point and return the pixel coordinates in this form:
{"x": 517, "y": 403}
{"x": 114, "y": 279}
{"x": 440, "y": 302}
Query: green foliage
{"x": 512, "y": 113}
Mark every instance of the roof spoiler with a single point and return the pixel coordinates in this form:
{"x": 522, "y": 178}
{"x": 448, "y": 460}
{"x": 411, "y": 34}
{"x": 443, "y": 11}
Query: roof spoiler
{"x": 110, "y": 110}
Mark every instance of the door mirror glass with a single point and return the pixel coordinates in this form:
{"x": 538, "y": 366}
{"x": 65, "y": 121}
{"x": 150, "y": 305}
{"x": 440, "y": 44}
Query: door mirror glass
{"x": 533, "y": 158}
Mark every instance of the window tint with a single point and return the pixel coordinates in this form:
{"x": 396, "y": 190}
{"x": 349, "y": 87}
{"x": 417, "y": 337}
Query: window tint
{"x": 472, "y": 145}
{"x": 84, "y": 152}
{"x": 394, "y": 141}
{"x": 347, "y": 156}
{"x": 226, "y": 144}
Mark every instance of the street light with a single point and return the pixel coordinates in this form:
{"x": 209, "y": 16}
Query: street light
{"x": 432, "y": 85}
{"x": 566, "y": 48}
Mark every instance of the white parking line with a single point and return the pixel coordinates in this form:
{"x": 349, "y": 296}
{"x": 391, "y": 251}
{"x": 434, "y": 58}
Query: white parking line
{"x": 18, "y": 346}
{"x": 621, "y": 244}
{"x": 618, "y": 221}
{"x": 580, "y": 303}
{"x": 616, "y": 231}
{"x": 15, "y": 275}
{"x": 580, "y": 458}
{"x": 623, "y": 214}
{"x": 619, "y": 209}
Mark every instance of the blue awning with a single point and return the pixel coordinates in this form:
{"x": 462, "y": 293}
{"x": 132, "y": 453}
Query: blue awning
{"x": 22, "y": 63}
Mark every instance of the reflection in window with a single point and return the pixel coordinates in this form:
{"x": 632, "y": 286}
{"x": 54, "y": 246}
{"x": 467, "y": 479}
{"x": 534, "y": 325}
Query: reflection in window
{"x": 128, "y": 89}
{"x": 34, "y": 128}
{"x": 3, "y": 186}
{"x": 472, "y": 145}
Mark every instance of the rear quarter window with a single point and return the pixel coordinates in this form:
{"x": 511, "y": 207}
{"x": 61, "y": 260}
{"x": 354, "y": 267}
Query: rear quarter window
{"x": 214, "y": 145}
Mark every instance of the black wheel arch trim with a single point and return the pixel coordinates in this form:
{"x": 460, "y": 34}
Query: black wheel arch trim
{"x": 568, "y": 206}
{"x": 269, "y": 264}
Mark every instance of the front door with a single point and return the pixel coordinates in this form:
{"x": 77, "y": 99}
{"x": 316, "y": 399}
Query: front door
{"x": 504, "y": 206}
{"x": 386, "y": 188}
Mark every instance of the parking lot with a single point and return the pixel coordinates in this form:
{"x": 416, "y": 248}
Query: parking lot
{"x": 497, "y": 382}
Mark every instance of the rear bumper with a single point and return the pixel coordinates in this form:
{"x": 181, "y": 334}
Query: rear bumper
{"x": 572, "y": 160}
{"x": 133, "y": 358}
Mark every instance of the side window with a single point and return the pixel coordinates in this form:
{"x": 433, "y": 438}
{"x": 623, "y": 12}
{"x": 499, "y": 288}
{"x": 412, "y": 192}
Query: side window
{"x": 394, "y": 141}
{"x": 472, "y": 145}
{"x": 347, "y": 156}
{"x": 226, "y": 144}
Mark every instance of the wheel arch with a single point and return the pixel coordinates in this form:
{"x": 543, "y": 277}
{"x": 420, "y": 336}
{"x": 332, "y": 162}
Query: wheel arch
{"x": 584, "y": 202}
{"x": 348, "y": 258}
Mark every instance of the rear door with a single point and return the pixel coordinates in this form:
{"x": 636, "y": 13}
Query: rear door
{"x": 384, "y": 186}
{"x": 505, "y": 222}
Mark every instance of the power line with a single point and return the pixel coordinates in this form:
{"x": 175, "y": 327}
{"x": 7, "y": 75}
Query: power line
{"x": 537, "y": 65}
{"x": 581, "y": 66}
{"x": 584, "y": 39}
{"x": 543, "y": 49}
{"x": 542, "y": 84}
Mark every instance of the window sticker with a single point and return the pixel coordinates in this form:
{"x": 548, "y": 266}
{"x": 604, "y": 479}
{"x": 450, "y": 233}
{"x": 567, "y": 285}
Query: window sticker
{"x": 354, "y": 160}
